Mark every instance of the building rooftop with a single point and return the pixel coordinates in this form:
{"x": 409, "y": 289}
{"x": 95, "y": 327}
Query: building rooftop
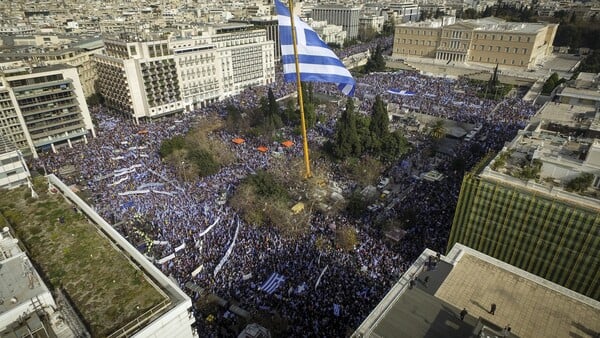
{"x": 582, "y": 93}
{"x": 19, "y": 282}
{"x": 559, "y": 143}
{"x": 108, "y": 291}
{"x": 483, "y": 24}
{"x": 466, "y": 278}
{"x": 534, "y": 307}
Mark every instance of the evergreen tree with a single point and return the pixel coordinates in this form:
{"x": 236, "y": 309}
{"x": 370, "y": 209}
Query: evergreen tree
{"x": 376, "y": 62}
{"x": 389, "y": 26}
{"x": 270, "y": 108}
{"x": 308, "y": 98}
{"x": 394, "y": 145}
{"x": 378, "y": 127}
{"x": 346, "y": 141}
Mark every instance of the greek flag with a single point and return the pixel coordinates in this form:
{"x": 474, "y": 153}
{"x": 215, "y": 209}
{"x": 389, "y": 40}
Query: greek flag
{"x": 317, "y": 62}
{"x": 273, "y": 283}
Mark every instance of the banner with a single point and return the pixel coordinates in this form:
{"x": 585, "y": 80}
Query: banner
{"x": 181, "y": 247}
{"x": 209, "y": 228}
{"x": 133, "y": 192}
{"x": 166, "y": 259}
{"x": 321, "y": 275}
{"x": 229, "y": 251}
{"x": 198, "y": 270}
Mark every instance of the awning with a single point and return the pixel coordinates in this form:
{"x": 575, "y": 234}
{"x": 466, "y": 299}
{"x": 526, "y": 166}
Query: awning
{"x": 287, "y": 143}
{"x": 262, "y": 149}
{"x": 238, "y": 140}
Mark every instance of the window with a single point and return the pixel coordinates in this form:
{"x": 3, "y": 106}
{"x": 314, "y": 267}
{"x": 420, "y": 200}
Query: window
{"x": 506, "y": 49}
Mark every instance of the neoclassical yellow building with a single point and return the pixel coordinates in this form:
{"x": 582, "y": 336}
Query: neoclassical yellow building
{"x": 488, "y": 40}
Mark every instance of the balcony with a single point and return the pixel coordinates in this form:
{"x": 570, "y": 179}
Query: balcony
{"x": 49, "y": 109}
{"x": 48, "y": 138}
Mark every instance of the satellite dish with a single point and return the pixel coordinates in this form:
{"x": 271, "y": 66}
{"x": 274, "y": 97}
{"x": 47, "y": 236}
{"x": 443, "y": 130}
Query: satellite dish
{"x": 15, "y": 240}
{"x": 5, "y": 229}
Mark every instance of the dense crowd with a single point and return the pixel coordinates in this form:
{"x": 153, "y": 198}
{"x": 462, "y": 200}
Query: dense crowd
{"x": 187, "y": 227}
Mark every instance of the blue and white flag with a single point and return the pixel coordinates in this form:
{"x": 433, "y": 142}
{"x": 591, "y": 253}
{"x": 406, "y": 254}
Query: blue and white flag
{"x": 317, "y": 62}
{"x": 273, "y": 283}
{"x": 401, "y": 92}
{"x": 337, "y": 309}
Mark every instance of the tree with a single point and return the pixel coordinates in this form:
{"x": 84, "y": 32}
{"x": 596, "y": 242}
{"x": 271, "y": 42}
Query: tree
{"x": 437, "y": 130}
{"x": 389, "y": 26}
{"x": 580, "y": 183}
{"x": 356, "y": 205}
{"x": 170, "y": 145}
{"x": 271, "y": 119}
{"x": 393, "y": 146}
{"x": 487, "y": 12}
{"x": 346, "y": 140}
{"x": 376, "y": 62}
{"x": 552, "y": 82}
{"x": 470, "y": 13}
{"x": 308, "y": 96}
{"x": 345, "y": 238}
{"x": 234, "y": 120}
{"x": 378, "y": 127}
{"x": 204, "y": 161}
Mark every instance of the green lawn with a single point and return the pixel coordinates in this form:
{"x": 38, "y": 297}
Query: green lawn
{"x": 105, "y": 288}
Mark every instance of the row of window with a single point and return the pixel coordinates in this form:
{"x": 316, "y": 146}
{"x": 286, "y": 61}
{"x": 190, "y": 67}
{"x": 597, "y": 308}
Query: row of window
{"x": 466, "y": 35}
{"x": 513, "y": 50}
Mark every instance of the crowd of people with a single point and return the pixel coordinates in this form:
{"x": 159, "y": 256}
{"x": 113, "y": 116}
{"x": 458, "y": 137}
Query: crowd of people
{"x": 194, "y": 235}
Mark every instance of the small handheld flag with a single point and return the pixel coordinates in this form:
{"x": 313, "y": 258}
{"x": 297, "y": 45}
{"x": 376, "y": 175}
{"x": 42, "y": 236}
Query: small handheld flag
{"x": 317, "y": 62}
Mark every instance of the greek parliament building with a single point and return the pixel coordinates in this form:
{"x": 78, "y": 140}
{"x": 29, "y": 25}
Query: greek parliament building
{"x": 151, "y": 76}
{"x": 43, "y": 108}
{"x": 488, "y": 40}
{"x": 537, "y": 204}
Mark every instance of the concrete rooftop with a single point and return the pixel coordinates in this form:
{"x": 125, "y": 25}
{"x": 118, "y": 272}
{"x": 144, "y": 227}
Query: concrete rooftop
{"x": 532, "y": 306}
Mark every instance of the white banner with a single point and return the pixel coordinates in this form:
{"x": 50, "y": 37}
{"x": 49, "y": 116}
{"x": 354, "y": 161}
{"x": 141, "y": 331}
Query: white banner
{"x": 133, "y": 192}
{"x": 119, "y": 181}
{"x": 321, "y": 275}
{"x": 198, "y": 270}
{"x": 181, "y": 247}
{"x": 160, "y": 242}
{"x": 229, "y": 251}
{"x": 166, "y": 259}
{"x": 209, "y": 228}
{"x": 162, "y": 192}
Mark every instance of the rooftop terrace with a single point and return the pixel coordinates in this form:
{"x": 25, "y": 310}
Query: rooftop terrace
{"x": 532, "y": 306}
{"x": 466, "y": 278}
{"x": 107, "y": 289}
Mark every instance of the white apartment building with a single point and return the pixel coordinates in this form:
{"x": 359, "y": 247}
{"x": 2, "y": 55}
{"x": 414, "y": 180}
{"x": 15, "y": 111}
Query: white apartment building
{"x": 77, "y": 54}
{"x": 43, "y": 108}
{"x": 329, "y": 33}
{"x": 156, "y": 77}
{"x": 13, "y": 169}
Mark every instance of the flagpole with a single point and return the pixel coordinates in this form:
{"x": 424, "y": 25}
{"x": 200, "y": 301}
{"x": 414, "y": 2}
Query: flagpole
{"x": 300, "y": 100}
